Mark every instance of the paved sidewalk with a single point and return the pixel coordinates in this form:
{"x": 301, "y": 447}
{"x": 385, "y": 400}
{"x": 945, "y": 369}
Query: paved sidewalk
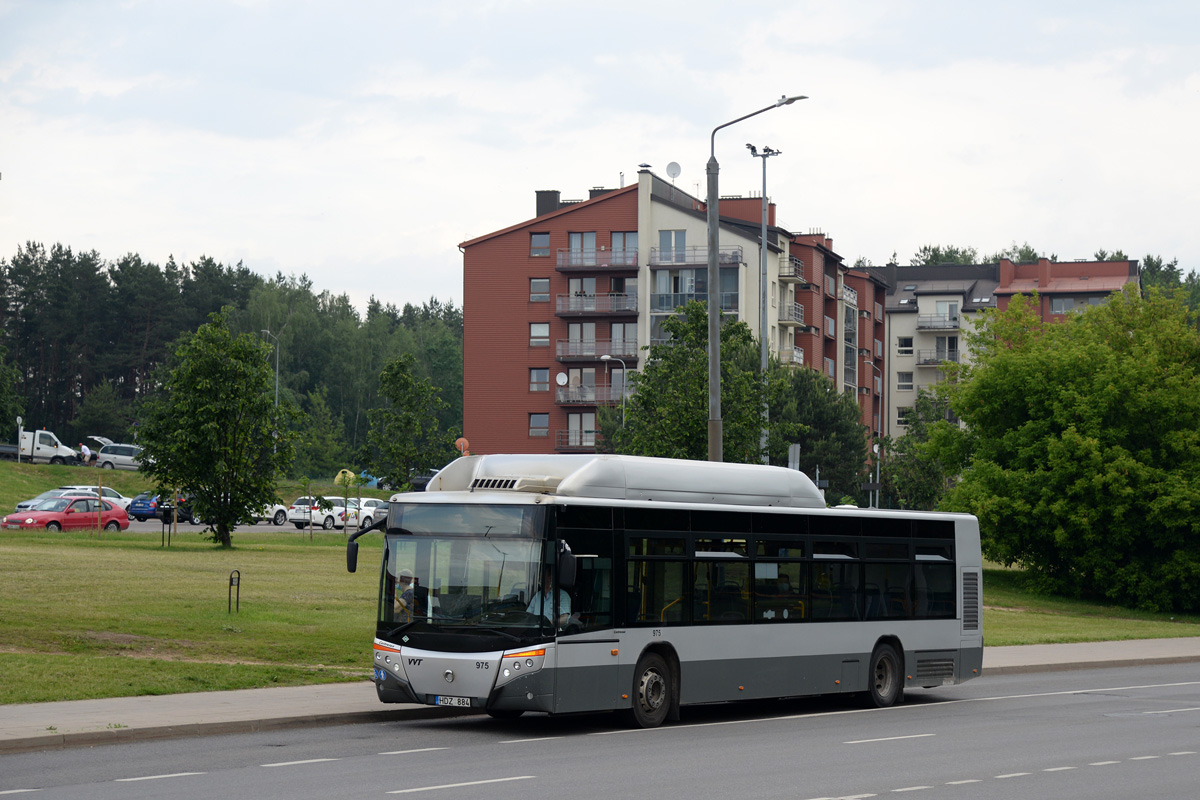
{"x": 82, "y": 723}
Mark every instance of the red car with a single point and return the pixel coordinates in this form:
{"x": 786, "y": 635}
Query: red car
{"x": 69, "y": 513}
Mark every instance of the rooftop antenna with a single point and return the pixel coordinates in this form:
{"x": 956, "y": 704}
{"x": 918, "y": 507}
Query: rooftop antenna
{"x": 673, "y": 171}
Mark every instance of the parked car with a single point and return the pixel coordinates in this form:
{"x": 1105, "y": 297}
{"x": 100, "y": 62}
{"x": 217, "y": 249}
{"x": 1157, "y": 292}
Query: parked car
{"x": 304, "y": 509}
{"x": 365, "y": 515}
{"x": 108, "y": 493}
{"x": 118, "y": 456}
{"x": 69, "y": 513}
{"x": 276, "y": 514}
{"x": 182, "y": 510}
{"x": 25, "y": 505}
{"x": 144, "y": 507}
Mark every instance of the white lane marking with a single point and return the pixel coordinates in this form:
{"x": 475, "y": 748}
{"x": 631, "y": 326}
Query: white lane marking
{"x": 1102, "y": 763}
{"x": 935, "y": 704}
{"x": 1144, "y": 758}
{"x": 1171, "y": 711}
{"x": 406, "y": 752}
{"x": 540, "y": 739}
{"x": 1057, "y": 769}
{"x": 1183, "y": 753}
{"x": 912, "y": 789}
{"x": 891, "y": 738}
{"x": 1012, "y": 775}
{"x": 960, "y": 783}
{"x": 156, "y": 777}
{"x": 19, "y": 791}
{"x": 458, "y": 785}
{"x": 294, "y": 763}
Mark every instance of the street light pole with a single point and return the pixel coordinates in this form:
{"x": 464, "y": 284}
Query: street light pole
{"x": 715, "y": 433}
{"x": 763, "y": 328}
{"x": 624, "y": 379}
{"x": 276, "y": 338}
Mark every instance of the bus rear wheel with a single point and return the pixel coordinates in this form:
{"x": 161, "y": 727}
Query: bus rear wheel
{"x": 886, "y": 685}
{"x": 652, "y": 692}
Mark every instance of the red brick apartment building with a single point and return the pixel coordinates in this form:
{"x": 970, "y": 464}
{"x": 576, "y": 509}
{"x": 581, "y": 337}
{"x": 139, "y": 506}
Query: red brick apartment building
{"x": 546, "y": 300}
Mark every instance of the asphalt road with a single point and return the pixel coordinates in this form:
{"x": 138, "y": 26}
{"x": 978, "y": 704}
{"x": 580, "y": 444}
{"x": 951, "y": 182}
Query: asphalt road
{"x": 1107, "y": 733}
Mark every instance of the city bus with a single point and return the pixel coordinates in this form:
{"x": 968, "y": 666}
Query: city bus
{"x": 585, "y": 583}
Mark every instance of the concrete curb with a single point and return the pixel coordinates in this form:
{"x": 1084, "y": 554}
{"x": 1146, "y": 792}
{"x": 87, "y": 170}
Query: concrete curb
{"x": 1024, "y": 669}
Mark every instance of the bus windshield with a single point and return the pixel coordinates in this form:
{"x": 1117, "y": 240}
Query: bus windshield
{"x": 458, "y": 566}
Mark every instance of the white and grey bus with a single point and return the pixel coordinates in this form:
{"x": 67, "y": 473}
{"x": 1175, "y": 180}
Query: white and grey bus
{"x": 570, "y": 583}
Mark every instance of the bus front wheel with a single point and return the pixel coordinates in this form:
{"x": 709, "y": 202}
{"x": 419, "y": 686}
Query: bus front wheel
{"x": 886, "y": 685}
{"x": 651, "y": 692}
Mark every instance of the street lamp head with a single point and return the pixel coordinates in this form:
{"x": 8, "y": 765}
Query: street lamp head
{"x": 787, "y": 101}
{"x": 606, "y": 357}
{"x": 753, "y": 150}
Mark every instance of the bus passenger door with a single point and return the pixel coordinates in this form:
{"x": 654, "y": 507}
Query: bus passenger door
{"x": 586, "y": 660}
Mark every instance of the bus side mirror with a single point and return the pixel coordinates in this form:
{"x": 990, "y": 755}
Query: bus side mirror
{"x": 351, "y": 556}
{"x": 566, "y": 568}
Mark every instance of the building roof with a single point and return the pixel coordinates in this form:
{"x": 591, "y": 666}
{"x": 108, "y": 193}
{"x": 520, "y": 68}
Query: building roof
{"x": 1106, "y": 284}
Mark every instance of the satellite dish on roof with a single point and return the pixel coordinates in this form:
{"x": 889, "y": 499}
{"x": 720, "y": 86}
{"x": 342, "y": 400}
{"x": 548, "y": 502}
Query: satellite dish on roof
{"x": 561, "y": 379}
{"x": 673, "y": 170}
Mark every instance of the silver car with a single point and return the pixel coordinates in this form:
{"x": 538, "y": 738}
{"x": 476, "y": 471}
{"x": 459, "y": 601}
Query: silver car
{"x": 118, "y": 456}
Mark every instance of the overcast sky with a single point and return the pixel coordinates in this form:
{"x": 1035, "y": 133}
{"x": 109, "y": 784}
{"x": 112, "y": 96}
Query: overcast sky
{"x": 360, "y": 142}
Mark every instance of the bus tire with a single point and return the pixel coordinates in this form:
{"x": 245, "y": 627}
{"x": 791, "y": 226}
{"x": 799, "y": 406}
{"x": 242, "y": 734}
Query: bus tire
{"x": 885, "y": 684}
{"x": 652, "y": 692}
{"x": 504, "y": 713}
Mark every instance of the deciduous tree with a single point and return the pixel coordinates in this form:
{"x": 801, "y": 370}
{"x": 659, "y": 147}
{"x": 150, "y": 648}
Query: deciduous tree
{"x": 1086, "y": 463}
{"x": 211, "y": 428}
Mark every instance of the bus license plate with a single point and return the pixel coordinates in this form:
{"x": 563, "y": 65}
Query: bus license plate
{"x": 443, "y": 700}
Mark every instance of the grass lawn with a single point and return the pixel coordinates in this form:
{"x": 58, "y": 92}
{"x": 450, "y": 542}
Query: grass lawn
{"x": 86, "y": 616}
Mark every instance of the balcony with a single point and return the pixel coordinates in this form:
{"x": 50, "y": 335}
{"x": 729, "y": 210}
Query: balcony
{"x": 589, "y": 395}
{"x": 932, "y": 358}
{"x": 937, "y": 322}
{"x": 791, "y": 314}
{"x": 582, "y": 305}
{"x": 791, "y": 271}
{"x": 792, "y": 356}
{"x": 592, "y": 349}
{"x": 576, "y": 441}
{"x": 665, "y": 256}
{"x": 597, "y": 260}
{"x": 668, "y": 303}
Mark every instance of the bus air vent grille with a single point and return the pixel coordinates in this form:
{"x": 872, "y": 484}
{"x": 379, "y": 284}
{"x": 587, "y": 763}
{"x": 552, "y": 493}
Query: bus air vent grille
{"x": 970, "y": 611}
{"x": 533, "y": 483}
{"x": 935, "y": 668}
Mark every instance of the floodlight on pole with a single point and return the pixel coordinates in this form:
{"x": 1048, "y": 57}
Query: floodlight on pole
{"x": 715, "y": 431}
{"x": 763, "y": 327}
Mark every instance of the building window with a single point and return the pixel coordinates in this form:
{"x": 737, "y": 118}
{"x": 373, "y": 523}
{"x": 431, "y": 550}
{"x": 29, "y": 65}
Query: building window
{"x": 539, "y": 334}
{"x": 539, "y": 380}
{"x": 539, "y": 425}
{"x": 904, "y": 345}
{"x": 878, "y": 348}
{"x": 902, "y": 415}
{"x": 539, "y": 244}
{"x": 878, "y": 311}
{"x": 672, "y": 247}
{"x": 583, "y": 248}
{"x": 1061, "y": 305}
{"x": 624, "y": 248}
{"x": 831, "y": 367}
{"x": 904, "y": 381}
{"x": 539, "y": 290}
